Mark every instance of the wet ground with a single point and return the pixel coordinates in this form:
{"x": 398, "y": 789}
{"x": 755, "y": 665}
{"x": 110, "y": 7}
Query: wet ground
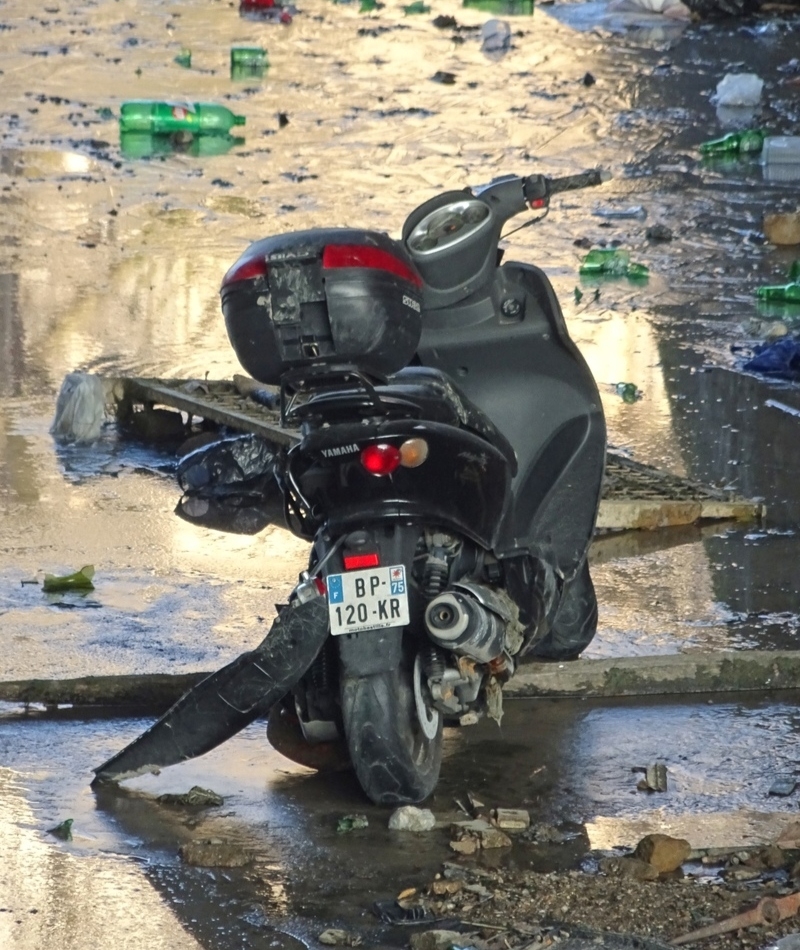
{"x": 110, "y": 264}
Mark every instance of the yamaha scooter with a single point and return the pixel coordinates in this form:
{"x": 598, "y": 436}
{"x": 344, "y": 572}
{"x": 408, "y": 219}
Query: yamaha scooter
{"x": 447, "y": 474}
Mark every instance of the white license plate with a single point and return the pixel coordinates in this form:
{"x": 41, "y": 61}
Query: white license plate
{"x": 368, "y": 600}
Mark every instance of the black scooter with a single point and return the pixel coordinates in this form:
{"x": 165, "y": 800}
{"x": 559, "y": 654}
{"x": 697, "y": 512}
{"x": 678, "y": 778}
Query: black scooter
{"x": 448, "y": 473}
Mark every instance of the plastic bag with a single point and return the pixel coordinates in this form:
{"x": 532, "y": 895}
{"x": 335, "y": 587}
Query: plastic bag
{"x": 739, "y": 89}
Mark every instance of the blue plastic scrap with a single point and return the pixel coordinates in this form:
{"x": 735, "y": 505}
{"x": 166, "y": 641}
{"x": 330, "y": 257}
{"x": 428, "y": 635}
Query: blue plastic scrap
{"x": 781, "y": 359}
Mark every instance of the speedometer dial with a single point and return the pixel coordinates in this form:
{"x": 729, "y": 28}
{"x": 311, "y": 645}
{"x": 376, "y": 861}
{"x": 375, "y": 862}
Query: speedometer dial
{"x": 447, "y": 226}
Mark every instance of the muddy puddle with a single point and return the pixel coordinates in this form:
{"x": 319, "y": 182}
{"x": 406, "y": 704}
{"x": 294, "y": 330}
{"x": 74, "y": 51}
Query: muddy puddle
{"x": 111, "y": 263}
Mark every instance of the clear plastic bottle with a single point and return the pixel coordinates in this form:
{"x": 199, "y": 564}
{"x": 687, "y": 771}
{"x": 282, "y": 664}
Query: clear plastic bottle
{"x": 781, "y": 150}
{"x": 747, "y": 142}
{"x": 203, "y": 118}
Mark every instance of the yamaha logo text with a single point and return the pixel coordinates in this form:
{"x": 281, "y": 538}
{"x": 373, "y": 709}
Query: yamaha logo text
{"x": 340, "y": 450}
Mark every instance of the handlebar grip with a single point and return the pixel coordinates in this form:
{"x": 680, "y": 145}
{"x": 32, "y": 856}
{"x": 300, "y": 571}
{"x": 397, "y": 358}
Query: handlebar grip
{"x": 596, "y": 176}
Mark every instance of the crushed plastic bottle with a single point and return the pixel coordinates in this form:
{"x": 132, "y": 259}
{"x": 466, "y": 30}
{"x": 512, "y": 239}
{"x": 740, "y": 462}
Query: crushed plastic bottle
{"x": 747, "y": 142}
{"x": 627, "y": 391}
{"x": 739, "y": 89}
{"x": 495, "y": 39}
{"x": 612, "y": 262}
{"x": 202, "y": 118}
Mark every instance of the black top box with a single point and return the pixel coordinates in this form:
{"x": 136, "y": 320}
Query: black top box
{"x": 325, "y": 296}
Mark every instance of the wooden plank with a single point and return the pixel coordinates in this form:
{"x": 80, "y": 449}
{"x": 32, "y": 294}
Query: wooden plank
{"x": 670, "y": 674}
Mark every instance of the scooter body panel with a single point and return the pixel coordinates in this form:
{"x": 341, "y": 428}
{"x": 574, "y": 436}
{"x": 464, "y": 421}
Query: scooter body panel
{"x": 518, "y": 364}
{"x": 463, "y": 485}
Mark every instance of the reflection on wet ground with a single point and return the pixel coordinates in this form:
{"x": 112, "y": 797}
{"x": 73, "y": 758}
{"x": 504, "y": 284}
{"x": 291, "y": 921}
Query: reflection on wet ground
{"x": 111, "y": 264}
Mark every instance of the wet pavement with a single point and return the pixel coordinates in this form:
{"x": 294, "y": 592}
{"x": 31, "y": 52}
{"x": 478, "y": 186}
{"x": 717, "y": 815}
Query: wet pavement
{"x": 112, "y": 265}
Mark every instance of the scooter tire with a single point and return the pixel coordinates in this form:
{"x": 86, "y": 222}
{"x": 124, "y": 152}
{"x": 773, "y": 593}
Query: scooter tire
{"x": 575, "y": 622}
{"x": 395, "y": 762}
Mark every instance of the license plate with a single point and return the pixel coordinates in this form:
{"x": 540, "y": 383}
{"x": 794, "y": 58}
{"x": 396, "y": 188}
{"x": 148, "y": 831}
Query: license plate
{"x": 368, "y": 600}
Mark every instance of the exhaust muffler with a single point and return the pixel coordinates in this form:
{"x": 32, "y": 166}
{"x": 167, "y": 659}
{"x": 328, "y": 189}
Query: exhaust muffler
{"x": 470, "y": 619}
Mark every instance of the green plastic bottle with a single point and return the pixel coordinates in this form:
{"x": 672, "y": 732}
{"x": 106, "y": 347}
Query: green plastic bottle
{"x": 502, "y": 7}
{"x": 627, "y": 391}
{"x": 135, "y": 145}
{"x": 248, "y": 62}
{"x": 200, "y": 118}
{"x": 780, "y": 293}
{"x": 748, "y": 142}
{"x": 611, "y": 262}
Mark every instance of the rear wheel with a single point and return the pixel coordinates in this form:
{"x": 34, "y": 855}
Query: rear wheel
{"x": 395, "y": 740}
{"x": 575, "y": 622}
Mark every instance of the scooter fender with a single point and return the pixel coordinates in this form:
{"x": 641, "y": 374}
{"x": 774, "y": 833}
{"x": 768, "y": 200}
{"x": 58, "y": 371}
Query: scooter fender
{"x": 224, "y": 703}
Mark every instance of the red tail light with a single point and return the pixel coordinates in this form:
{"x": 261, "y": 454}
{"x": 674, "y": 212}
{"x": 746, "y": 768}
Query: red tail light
{"x": 375, "y": 258}
{"x": 380, "y": 459}
{"x": 355, "y": 562}
{"x": 246, "y": 268}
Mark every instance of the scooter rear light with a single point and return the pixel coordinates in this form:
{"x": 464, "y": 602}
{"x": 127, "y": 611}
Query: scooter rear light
{"x": 246, "y": 268}
{"x": 355, "y": 562}
{"x": 373, "y": 258}
{"x": 380, "y": 459}
{"x": 413, "y": 452}
{"x": 322, "y": 587}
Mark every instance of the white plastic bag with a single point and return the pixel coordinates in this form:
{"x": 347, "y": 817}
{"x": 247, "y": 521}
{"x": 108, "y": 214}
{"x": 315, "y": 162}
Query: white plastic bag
{"x": 739, "y": 89}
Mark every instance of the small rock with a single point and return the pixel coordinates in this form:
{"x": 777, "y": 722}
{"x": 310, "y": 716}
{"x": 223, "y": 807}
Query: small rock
{"x": 445, "y": 22}
{"x": 339, "y": 938}
{"x": 782, "y": 228}
{"x": 214, "y": 853}
{"x": 409, "y": 818}
{"x": 663, "y": 852}
{"x": 436, "y": 940}
{"x": 465, "y": 845}
{"x": 789, "y": 838}
{"x": 658, "y": 232}
{"x": 628, "y": 867}
{"x": 195, "y": 797}
{"x": 512, "y": 819}
{"x": 588, "y": 80}
{"x": 447, "y": 79}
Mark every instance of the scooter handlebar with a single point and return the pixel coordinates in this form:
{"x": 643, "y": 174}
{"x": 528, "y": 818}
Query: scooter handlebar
{"x": 538, "y": 189}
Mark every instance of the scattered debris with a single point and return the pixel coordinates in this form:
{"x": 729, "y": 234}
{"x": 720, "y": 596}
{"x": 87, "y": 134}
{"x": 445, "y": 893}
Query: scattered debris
{"x": 636, "y": 212}
{"x": 436, "y": 940}
{"x": 64, "y": 830}
{"x": 410, "y": 818}
{"x": 351, "y": 823}
{"x": 79, "y": 580}
{"x": 658, "y": 232}
{"x": 80, "y": 409}
{"x": 470, "y": 836}
{"x": 739, "y": 89}
{"x": 495, "y": 39}
{"x": 214, "y": 853}
{"x": 339, "y": 938}
{"x": 511, "y": 819}
{"x": 393, "y": 912}
{"x": 196, "y": 797}
{"x": 655, "y": 777}
{"x": 446, "y": 79}
{"x": 628, "y": 867}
